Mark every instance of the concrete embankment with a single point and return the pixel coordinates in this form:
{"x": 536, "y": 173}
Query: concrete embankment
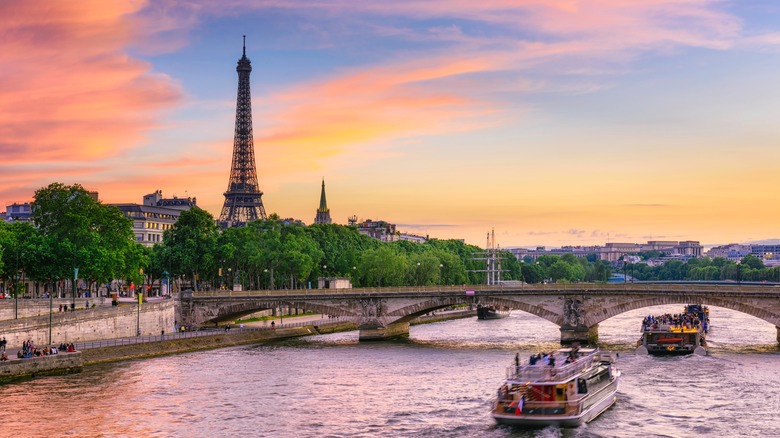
{"x": 62, "y": 363}
{"x": 56, "y": 364}
{"x": 218, "y": 340}
{"x": 228, "y": 339}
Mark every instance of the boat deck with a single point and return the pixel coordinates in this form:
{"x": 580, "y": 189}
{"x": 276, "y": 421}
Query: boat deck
{"x": 561, "y": 371}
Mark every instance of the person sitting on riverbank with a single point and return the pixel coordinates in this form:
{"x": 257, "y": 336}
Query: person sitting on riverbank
{"x": 71, "y": 348}
{"x": 3, "y": 357}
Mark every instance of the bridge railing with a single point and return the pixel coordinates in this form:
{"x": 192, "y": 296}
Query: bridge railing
{"x": 529, "y": 288}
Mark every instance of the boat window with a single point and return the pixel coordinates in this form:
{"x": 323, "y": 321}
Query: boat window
{"x": 582, "y": 386}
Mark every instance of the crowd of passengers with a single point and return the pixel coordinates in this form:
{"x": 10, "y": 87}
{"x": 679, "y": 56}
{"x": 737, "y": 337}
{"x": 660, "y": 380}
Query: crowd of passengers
{"x": 545, "y": 358}
{"x": 678, "y": 320}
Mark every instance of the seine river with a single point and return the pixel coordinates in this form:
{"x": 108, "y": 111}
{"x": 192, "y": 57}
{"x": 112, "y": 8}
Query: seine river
{"x": 438, "y": 384}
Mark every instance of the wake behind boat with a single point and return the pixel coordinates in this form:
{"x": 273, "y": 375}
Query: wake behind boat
{"x": 566, "y": 388}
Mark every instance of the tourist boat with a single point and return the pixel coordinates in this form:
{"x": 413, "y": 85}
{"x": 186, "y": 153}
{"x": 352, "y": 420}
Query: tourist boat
{"x": 686, "y": 334}
{"x": 573, "y": 388}
{"x": 491, "y": 312}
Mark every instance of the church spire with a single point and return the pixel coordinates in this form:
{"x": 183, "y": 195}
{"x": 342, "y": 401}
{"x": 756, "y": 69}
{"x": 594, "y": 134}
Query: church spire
{"x": 323, "y": 202}
{"x": 323, "y": 213}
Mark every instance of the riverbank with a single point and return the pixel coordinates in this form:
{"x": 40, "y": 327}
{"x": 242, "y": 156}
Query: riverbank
{"x": 219, "y": 339}
{"x": 222, "y": 339}
{"x": 62, "y": 363}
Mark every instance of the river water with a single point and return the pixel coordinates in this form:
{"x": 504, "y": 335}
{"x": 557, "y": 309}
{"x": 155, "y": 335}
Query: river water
{"x": 437, "y": 384}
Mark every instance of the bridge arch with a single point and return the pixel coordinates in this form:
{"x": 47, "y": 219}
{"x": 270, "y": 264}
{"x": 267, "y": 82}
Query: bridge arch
{"x": 409, "y": 313}
{"x": 756, "y": 308}
{"x": 525, "y": 306}
{"x": 233, "y": 310}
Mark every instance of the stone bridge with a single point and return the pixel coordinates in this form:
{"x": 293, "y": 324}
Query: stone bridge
{"x": 381, "y": 313}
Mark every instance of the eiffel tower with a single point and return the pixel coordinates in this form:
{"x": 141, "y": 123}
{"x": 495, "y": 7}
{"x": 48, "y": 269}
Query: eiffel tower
{"x": 243, "y": 201}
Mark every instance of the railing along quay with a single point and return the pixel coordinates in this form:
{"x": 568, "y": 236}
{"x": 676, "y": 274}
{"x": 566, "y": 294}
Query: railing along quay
{"x": 204, "y": 331}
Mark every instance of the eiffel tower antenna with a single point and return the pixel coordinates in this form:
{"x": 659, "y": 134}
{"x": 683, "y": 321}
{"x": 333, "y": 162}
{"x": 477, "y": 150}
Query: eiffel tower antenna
{"x": 243, "y": 198}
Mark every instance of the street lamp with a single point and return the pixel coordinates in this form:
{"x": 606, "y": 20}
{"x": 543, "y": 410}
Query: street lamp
{"x": 16, "y": 287}
{"x": 140, "y": 297}
{"x": 265, "y": 271}
{"x": 738, "y": 279}
{"x": 418, "y": 273}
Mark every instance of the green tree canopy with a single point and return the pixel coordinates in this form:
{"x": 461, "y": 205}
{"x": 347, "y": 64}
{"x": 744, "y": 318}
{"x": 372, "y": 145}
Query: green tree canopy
{"x": 80, "y": 232}
{"x": 193, "y": 243}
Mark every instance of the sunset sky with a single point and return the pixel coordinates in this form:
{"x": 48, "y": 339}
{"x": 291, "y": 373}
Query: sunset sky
{"x": 553, "y": 122}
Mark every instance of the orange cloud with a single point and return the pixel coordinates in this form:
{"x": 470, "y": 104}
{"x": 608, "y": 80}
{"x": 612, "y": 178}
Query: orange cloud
{"x": 68, "y": 90}
{"x": 318, "y": 120}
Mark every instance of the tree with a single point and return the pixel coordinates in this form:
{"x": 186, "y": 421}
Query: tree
{"x": 560, "y": 270}
{"x": 382, "y": 266}
{"x": 753, "y": 262}
{"x": 80, "y": 232}
{"x": 193, "y": 243}
{"x": 532, "y": 273}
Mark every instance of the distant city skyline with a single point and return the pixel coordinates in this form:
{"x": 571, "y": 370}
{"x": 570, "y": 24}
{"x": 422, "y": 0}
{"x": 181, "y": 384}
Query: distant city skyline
{"x": 552, "y": 122}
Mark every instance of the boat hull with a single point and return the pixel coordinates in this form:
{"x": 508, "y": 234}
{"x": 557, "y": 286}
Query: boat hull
{"x": 487, "y": 313}
{"x": 605, "y": 401}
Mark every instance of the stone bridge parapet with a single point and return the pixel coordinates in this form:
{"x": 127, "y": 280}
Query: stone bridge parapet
{"x": 577, "y": 308}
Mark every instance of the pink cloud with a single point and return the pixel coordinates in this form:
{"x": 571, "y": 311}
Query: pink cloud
{"x": 68, "y": 89}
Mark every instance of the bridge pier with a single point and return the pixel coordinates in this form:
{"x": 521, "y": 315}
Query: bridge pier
{"x": 583, "y": 335}
{"x": 383, "y": 333}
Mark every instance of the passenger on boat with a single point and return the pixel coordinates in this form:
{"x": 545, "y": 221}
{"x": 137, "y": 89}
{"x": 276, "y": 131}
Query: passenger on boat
{"x": 533, "y": 359}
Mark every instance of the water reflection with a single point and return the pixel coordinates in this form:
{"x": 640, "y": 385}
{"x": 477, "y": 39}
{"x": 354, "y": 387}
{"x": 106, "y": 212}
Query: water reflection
{"x": 438, "y": 383}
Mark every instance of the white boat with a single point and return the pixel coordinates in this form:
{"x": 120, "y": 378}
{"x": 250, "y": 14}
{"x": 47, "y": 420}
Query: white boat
{"x": 683, "y": 333}
{"x": 577, "y": 386}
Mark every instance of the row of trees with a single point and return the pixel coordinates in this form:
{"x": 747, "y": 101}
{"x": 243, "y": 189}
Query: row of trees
{"x": 279, "y": 254}
{"x": 71, "y": 234}
{"x": 74, "y": 235}
{"x": 72, "y": 231}
{"x": 749, "y": 268}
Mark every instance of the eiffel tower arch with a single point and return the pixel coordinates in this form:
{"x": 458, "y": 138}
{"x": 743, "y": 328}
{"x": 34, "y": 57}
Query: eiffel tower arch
{"x": 243, "y": 198}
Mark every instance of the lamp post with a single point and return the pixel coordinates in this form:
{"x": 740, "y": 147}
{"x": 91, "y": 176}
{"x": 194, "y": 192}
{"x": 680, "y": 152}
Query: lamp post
{"x": 265, "y": 271}
{"x": 418, "y": 274}
{"x": 738, "y": 279}
{"x": 140, "y": 297}
{"x": 51, "y": 308}
{"x": 16, "y": 287}
{"x": 75, "y": 279}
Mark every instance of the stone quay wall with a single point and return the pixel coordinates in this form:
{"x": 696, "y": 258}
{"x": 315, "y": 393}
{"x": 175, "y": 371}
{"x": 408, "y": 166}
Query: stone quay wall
{"x": 36, "y": 366}
{"x": 25, "y": 307}
{"x": 95, "y": 324}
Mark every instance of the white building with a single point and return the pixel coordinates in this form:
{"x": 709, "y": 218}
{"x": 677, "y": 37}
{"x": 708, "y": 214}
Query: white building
{"x": 155, "y": 215}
